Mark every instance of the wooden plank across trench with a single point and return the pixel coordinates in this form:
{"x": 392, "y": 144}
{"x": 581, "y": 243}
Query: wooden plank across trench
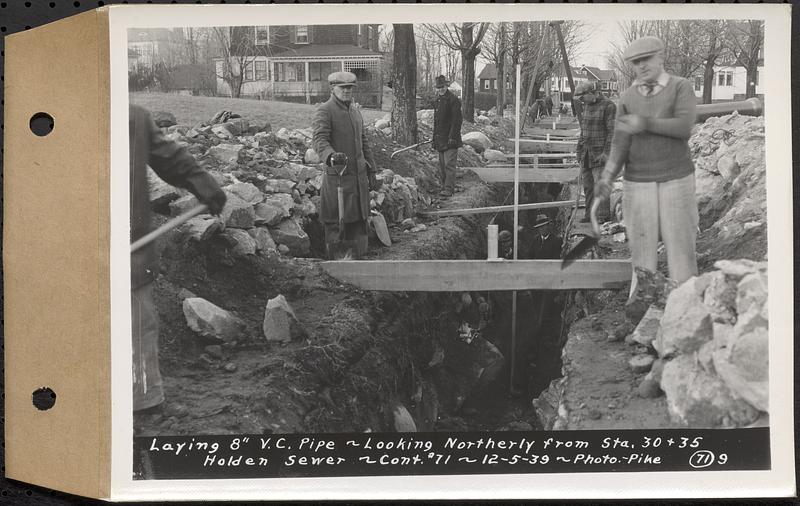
{"x": 479, "y": 275}
{"x": 497, "y": 209}
{"x": 542, "y": 132}
{"x": 501, "y": 174}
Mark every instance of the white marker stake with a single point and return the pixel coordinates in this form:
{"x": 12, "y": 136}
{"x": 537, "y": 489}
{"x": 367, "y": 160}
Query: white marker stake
{"x": 491, "y": 246}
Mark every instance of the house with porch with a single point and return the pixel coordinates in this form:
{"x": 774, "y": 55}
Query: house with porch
{"x": 292, "y": 62}
{"x": 729, "y": 83}
{"x": 487, "y": 79}
{"x": 606, "y": 80}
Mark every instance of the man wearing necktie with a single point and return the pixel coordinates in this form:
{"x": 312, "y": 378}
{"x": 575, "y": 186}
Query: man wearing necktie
{"x": 654, "y": 122}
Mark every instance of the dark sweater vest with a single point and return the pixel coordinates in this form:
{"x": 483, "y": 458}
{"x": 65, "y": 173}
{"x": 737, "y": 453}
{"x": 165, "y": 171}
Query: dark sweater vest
{"x": 661, "y": 153}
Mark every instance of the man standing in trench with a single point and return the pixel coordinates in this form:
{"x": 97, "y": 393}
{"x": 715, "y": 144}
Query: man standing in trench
{"x": 341, "y": 143}
{"x": 177, "y": 167}
{"x": 594, "y": 143}
{"x": 655, "y": 120}
{"x": 446, "y": 134}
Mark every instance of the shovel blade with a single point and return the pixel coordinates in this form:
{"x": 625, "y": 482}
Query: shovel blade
{"x": 381, "y": 229}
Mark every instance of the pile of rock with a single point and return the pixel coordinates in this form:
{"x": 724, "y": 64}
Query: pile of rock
{"x": 711, "y": 339}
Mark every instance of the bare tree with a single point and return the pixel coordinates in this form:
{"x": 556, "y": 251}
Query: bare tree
{"x": 496, "y": 50}
{"x": 404, "y": 79}
{"x": 745, "y": 40}
{"x": 630, "y": 31}
{"x": 714, "y": 49}
{"x": 466, "y": 39}
{"x": 237, "y": 55}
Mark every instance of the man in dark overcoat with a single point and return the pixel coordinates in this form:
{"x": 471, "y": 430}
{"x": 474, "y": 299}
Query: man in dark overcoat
{"x": 176, "y": 166}
{"x": 594, "y": 143}
{"x": 446, "y": 134}
{"x": 340, "y": 139}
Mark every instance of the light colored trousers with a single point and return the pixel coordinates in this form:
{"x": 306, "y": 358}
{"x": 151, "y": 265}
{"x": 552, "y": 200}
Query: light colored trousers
{"x": 148, "y": 390}
{"x": 667, "y": 210}
{"x": 447, "y": 168}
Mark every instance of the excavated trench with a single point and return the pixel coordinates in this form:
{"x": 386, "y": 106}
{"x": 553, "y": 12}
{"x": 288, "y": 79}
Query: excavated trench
{"x": 377, "y": 361}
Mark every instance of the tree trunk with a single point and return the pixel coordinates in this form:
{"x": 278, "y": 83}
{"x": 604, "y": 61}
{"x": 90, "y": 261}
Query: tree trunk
{"x": 404, "y": 77}
{"x": 501, "y": 71}
{"x": 468, "y": 76}
{"x": 752, "y": 70}
{"x": 708, "y": 80}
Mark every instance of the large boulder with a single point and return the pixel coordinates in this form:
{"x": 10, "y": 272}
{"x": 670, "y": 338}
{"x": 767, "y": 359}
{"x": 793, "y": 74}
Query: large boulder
{"x": 744, "y": 367}
{"x": 311, "y": 157}
{"x": 698, "y": 399}
{"x": 686, "y": 324}
{"x": 720, "y": 296}
{"x": 269, "y": 214}
{"x": 381, "y": 124}
{"x": 477, "y": 140}
{"x": 494, "y": 155}
{"x": 237, "y": 213}
{"x": 278, "y": 186}
{"x": 183, "y": 204}
{"x": 290, "y": 234}
{"x": 247, "y": 192}
{"x": 280, "y": 323}
{"x": 647, "y": 330}
{"x": 263, "y": 239}
{"x": 226, "y": 153}
{"x": 240, "y": 243}
{"x": 211, "y": 321}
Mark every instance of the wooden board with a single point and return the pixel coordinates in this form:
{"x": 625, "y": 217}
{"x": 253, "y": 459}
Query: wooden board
{"x": 540, "y": 132}
{"x": 497, "y": 209}
{"x": 542, "y": 146}
{"x": 526, "y": 175}
{"x": 479, "y": 275}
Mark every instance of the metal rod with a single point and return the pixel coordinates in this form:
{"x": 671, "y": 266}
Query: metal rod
{"x": 494, "y": 209}
{"x": 174, "y": 222}
{"x": 516, "y": 230}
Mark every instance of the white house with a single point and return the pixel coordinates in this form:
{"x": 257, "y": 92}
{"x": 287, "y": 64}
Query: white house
{"x": 730, "y": 83}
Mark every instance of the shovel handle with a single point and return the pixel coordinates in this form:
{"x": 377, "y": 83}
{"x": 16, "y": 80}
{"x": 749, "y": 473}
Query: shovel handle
{"x": 593, "y": 217}
{"x": 166, "y": 227}
{"x": 409, "y": 147}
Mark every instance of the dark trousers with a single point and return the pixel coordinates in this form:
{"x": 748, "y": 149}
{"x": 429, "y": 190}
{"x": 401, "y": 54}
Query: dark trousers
{"x": 447, "y": 168}
{"x": 351, "y": 242}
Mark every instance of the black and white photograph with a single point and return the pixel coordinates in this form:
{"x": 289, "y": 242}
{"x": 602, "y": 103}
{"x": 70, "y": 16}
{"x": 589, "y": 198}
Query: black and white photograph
{"x": 537, "y": 242}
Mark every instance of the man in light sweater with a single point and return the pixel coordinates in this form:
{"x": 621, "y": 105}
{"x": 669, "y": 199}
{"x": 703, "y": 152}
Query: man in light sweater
{"x": 654, "y": 121}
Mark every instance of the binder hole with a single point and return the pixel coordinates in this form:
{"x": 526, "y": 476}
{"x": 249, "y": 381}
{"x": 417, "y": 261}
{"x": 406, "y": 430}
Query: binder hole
{"x": 41, "y": 124}
{"x": 44, "y": 398}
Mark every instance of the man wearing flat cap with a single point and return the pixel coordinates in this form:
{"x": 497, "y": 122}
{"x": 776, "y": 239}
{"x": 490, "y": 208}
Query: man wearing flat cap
{"x": 594, "y": 143}
{"x": 655, "y": 119}
{"x": 446, "y": 134}
{"x": 340, "y": 142}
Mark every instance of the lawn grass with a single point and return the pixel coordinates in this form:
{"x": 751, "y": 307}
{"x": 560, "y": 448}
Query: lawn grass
{"x": 190, "y": 110}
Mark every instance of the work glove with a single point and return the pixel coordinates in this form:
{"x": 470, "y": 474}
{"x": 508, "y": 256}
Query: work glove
{"x": 337, "y": 158}
{"x": 452, "y": 143}
{"x": 603, "y": 186}
{"x": 216, "y": 202}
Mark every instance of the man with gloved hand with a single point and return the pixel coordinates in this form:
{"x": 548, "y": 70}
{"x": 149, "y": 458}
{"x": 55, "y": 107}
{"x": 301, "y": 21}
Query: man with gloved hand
{"x": 177, "y": 167}
{"x": 340, "y": 141}
{"x": 446, "y": 134}
{"x": 594, "y": 143}
{"x": 656, "y": 115}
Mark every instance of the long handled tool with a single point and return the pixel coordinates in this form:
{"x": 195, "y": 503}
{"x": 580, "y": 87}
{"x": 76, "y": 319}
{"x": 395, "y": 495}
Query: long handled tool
{"x": 166, "y": 227}
{"x": 590, "y": 239}
{"x": 409, "y": 147}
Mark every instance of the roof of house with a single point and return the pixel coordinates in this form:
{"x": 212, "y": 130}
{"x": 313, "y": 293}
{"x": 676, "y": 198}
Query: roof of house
{"x": 488, "y": 72}
{"x": 606, "y": 75}
{"x": 326, "y": 50}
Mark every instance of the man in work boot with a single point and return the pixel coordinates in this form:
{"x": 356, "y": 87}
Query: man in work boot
{"x": 655, "y": 120}
{"x": 446, "y": 134}
{"x": 341, "y": 143}
{"x": 594, "y": 143}
{"x": 177, "y": 167}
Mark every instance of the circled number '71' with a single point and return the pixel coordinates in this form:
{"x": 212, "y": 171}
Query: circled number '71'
{"x": 705, "y": 458}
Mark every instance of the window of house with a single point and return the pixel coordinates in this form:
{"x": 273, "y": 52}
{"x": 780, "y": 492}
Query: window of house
{"x": 508, "y": 84}
{"x": 729, "y": 79}
{"x": 486, "y": 84}
{"x": 289, "y": 72}
{"x": 604, "y": 85}
{"x": 301, "y": 34}
{"x": 698, "y": 83}
{"x": 262, "y": 35}
{"x": 248, "y": 72}
{"x": 261, "y": 70}
{"x": 494, "y": 82}
{"x": 725, "y": 78}
{"x": 320, "y": 70}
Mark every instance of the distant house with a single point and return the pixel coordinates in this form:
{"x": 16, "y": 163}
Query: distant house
{"x": 606, "y": 80}
{"x": 729, "y": 83}
{"x": 456, "y": 88}
{"x": 150, "y": 46}
{"x": 487, "y": 79}
{"x": 292, "y": 62}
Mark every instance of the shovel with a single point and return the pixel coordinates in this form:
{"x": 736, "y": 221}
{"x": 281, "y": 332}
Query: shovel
{"x": 166, "y": 227}
{"x": 409, "y": 147}
{"x": 590, "y": 238}
{"x": 378, "y": 223}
